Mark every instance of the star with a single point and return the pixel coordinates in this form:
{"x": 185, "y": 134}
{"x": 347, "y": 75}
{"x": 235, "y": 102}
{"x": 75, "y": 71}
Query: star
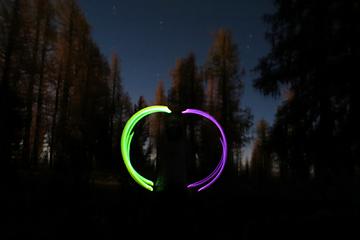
{"x": 114, "y": 10}
{"x": 161, "y": 23}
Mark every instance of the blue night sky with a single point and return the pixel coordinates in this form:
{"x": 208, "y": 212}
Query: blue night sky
{"x": 150, "y": 35}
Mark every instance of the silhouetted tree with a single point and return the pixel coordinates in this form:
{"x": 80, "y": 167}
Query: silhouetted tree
{"x": 10, "y": 100}
{"x": 186, "y": 89}
{"x": 116, "y": 121}
{"x": 157, "y": 123}
{"x": 187, "y": 92}
{"x": 63, "y": 106}
{"x": 140, "y": 147}
{"x": 68, "y": 13}
{"x": 225, "y": 87}
{"x": 314, "y": 52}
{"x": 43, "y": 78}
{"x": 35, "y": 21}
{"x": 261, "y": 162}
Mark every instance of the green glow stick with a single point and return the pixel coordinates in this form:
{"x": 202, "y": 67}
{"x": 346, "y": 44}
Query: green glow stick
{"x": 126, "y": 138}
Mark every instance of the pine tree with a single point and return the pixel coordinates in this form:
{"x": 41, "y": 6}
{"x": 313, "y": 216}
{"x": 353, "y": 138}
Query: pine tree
{"x": 261, "y": 162}
{"x": 187, "y": 92}
{"x": 116, "y": 120}
{"x": 187, "y": 88}
{"x": 47, "y": 43}
{"x": 140, "y": 147}
{"x": 225, "y": 87}
{"x": 313, "y": 55}
{"x": 10, "y": 121}
{"x": 157, "y": 122}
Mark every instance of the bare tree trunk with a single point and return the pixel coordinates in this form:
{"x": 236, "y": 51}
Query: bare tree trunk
{"x": 30, "y": 92}
{"x": 63, "y": 117}
{"x": 39, "y": 113}
{"x": 54, "y": 120}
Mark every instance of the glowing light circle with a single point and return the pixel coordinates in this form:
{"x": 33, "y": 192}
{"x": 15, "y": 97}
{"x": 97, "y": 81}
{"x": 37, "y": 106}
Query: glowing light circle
{"x": 212, "y": 177}
{"x": 126, "y": 138}
{"x": 128, "y": 134}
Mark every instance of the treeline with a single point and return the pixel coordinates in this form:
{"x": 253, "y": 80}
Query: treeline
{"x": 63, "y": 105}
{"x": 313, "y": 65}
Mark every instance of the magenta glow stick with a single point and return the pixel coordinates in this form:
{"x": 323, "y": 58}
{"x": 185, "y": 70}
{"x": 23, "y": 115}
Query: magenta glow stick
{"x": 209, "y": 180}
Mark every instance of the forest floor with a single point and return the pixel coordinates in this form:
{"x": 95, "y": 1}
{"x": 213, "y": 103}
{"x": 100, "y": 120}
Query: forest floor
{"x": 36, "y": 206}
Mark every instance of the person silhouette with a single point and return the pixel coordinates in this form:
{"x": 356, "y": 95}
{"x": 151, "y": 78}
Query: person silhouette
{"x": 172, "y": 165}
{"x": 171, "y": 181}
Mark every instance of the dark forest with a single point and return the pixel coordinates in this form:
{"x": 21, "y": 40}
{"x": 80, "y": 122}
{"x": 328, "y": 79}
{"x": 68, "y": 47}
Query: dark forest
{"x": 64, "y": 105}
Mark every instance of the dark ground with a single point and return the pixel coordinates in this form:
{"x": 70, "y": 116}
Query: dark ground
{"x": 39, "y": 206}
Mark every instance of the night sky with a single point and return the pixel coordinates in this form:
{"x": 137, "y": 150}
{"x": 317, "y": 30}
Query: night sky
{"x": 150, "y": 35}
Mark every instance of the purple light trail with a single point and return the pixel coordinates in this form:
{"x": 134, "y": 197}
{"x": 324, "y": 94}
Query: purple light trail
{"x": 209, "y": 180}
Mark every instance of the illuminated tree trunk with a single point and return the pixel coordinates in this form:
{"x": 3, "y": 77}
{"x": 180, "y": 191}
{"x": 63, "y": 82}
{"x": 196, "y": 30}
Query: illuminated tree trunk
{"x": 34, "y": 70}
{"x": 39, "y": 113}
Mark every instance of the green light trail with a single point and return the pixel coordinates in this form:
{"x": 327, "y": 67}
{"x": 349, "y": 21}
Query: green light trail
{"x": 127, "y": 136}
